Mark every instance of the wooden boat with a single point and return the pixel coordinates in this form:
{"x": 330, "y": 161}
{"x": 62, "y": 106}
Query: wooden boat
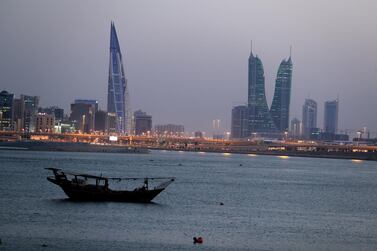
{"x": 86, "y": 187}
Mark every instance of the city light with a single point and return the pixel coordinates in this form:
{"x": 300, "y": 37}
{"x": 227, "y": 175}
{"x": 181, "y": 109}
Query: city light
{"x": 357, "y": 160}
{"x": 252, "y": 155}
{"x": 283, "y": 157}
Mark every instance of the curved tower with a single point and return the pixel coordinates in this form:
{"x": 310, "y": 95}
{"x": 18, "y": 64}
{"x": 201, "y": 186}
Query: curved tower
{"x": 117, "y": 96}
{"x": 280, "y": 104}
{"x": 259, "y": 114}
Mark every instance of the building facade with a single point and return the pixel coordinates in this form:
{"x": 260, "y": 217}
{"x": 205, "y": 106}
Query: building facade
{"x": 117, "y": 99}
{"x": 6, "y": 111}
{"x": 30, "y": 109}
{"x": 281, "y": 101}
{"x": 309, "y": 117}
{"x": 143, "y": 123}
{"x": 259, "y": 115}
{"x": 83, "y": 115}
{"x": 169, "y": 129}
{"x": 100, "y": 121}
{"x": 45, "y": 122}
{"x": 296, "y": 128}
{"x": 240, "y": 122}
{"x": 331, "y": 116}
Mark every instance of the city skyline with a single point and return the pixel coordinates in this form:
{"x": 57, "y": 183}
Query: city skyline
{"x": 201, "y": 65}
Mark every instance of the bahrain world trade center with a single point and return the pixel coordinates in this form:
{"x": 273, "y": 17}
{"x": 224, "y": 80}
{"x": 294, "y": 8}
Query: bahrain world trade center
{"x": 118, "y": 103}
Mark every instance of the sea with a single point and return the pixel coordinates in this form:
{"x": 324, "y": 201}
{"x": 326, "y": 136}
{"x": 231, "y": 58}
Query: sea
{"x": 232, "y": 201}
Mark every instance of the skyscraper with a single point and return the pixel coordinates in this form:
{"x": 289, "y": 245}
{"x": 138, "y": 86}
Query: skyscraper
{"x": 30, "y": 109}
{"x": 296, "y": 128}
{"x": 309, "y": 117}
{"x": 280, "y": 103}
{"x": 143, "y": 123}
{"x": 6, "y": 111}
{"x": 117, "y": 99}
{"x": 331, "y": 116}
{"x": 240, "y": 122}
{"x": 259, "y": 115}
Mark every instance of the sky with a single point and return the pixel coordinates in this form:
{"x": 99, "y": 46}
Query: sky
{"x": 186, "y": 61}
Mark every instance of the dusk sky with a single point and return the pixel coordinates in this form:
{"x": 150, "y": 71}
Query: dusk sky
{"x": 186, "y": 61}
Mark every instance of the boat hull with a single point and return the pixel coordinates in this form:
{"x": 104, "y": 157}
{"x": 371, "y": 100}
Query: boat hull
{"x": 99, "y": 193}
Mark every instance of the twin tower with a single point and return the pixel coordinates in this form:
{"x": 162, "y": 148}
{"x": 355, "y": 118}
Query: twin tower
{"x": 256, "y": 117}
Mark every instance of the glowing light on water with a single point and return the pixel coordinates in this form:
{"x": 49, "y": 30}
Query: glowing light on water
{"x": 227, "y": 154}
{"x": 201, "y": 153}
{"x": 252, "y": 155}
{"x": 356, "y": 160}
{"x": 283, "y": 157}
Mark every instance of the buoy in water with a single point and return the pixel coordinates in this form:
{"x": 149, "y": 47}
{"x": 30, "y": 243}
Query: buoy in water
{"x": 198, "y": 240}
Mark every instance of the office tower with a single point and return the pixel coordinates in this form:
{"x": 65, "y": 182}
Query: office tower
{"x": 45, "y": 122}
{"x": 30, "y": 110}
{"x": 100, "y": 121}
{"x": 117, "y": 99}
{"x": 84, "y": 115}
{"x": 6, "y": 111}
{"x": 331, "y": 116}
{"x": 296, "y": 128}
{"x": 240, "y": 122}
{"x": 259, "y": 115}
{"x": 92, "y": 102}
{"x": 282, "y": 96}
{"x": 18, "y": 114}
{"x": 143, "y": 123}
{"x": 309, "y": 117}
{"x": 169, "y": 129}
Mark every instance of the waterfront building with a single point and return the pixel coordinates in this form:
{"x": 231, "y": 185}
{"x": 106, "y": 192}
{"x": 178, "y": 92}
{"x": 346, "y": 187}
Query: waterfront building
{"x": 296, "y": 128}
{"x": 100, "y": 121}
{"x": 309, "y": 117}
{"x": 6, "y": 111}
{"x": 331, "y": 116}
{"x": 117, "y": 99}
{"x": 29, "y": 108}
{"x": 84, "y": 115}
{"x": 199, "y": 134}
{"x": 92, "y": 102}
{"x": 169, "y": 129}
{"x": 259, "y": 115}
{"x": 18, "y": 114}
{"x": 280, "y": 104}
{"x": 53, "y": 110}
{"x": 143, "y": 123}
{"x": 240, "y": 122}
{"x": 45, "y": 122}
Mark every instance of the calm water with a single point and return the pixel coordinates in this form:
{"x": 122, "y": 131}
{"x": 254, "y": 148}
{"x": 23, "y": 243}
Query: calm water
{"x": 270, "y": 203}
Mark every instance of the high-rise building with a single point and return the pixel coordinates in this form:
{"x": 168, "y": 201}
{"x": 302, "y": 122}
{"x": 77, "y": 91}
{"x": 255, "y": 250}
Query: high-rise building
{"x": 84, "y": 115}
{"x": 309, "y": 117}
{"x": 18, "y": 114}
{"x": 331, "y": 116}
{"x": 92, "y": 102}
{"x": 6, "y": 111}
{"x": 296, "y": 128}
{"x": 30, "y": 110}
{"x": 100, "y": 121}
{"x": 117, "y": 99}
{"x": 240, "y": 122}
{"x": 259, "y": 115}
{"x": 143, "y": 123}
{"x": 282, "y": 96}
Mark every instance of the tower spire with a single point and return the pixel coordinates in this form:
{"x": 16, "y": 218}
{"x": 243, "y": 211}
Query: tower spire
{"x": 251, "y": 47}
{"x": 290, "y": 51}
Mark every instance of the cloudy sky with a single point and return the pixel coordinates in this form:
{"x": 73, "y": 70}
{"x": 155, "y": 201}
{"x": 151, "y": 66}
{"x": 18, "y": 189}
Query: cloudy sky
{"x": 186, "y": 61}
